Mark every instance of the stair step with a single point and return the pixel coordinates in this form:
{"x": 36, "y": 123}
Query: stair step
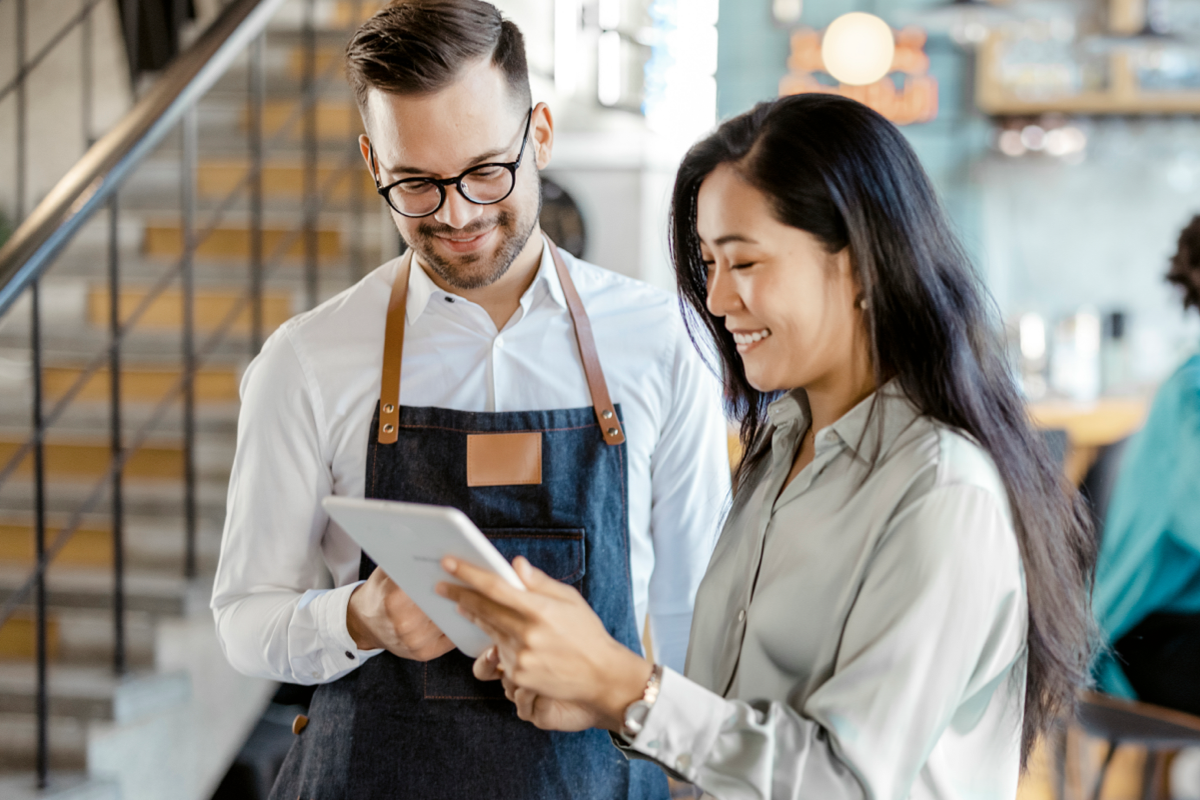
{"x": 90, "y": 692}
{"x": 165, "y": 240}
{"x": 89, "y": 457}
{"x": 336, "y": 121}
{"x": 142, "y": 384}
{"x": 85, "y": 588}
{"x": 18, "y": 748}
{"x": 88, "y": 546}
{"x": 210, "y": 309}
{"x": 351, "y": 12}
{"x": 327, "y": 57}
{"x": 216, "y": 178}
{"x": 18, "y": 637}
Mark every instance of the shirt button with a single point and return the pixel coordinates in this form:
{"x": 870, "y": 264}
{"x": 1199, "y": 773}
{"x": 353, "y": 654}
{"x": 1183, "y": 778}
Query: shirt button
{"x": 742, "y": 615}
{"x": 449, "y": 299}
{"x": 684, "y": 763}
{"x": 499, "y": 341}
{"x": 349, "y": 655}
{"x": 316, "y": 674}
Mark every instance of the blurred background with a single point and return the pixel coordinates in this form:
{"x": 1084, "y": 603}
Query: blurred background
{"x": 178, "y": 177}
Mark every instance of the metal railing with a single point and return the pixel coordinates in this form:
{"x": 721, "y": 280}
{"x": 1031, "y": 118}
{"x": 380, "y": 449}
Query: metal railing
{"x": 93, "y": 185}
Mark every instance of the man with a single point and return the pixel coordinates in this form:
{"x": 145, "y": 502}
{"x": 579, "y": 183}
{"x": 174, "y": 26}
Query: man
{"x": 560, "y": 406}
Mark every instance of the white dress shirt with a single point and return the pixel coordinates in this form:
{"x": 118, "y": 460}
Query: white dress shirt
{"x": 863, "y": 635}
{"x": 307, "y": 404}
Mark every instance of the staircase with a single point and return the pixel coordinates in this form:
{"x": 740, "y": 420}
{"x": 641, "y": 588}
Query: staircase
{"x": 170, "y": 725}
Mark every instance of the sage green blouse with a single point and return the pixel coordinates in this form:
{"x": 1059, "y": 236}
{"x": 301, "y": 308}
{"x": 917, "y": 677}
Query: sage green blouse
{"x": 861, "y": 636}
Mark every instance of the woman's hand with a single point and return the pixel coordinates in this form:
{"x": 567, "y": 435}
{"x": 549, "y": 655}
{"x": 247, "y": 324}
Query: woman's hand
{"x": 558, "y": 663}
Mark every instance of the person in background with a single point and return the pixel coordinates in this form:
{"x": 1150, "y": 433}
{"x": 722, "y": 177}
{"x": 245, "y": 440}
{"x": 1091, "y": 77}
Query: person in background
{"x": 898, "y": 603}
{"x": 1147, "y": 595}
{"x": 463, "y": 374}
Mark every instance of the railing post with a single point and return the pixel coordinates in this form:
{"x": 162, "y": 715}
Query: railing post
{"x": 187, "y": 278}
{"x": 131, "y": 43}
{"x": 257, "y": 98}
{"x": 22, "y": 109}
{"x": 39, "y": 463}
{"x": 39, "y": 505}
{"x": 87, "y": 62}
{"x": 115, "y": 435}
{"x": 310, "y": 154}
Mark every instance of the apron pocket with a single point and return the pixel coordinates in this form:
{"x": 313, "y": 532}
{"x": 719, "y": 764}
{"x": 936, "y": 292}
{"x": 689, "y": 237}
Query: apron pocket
{"x": 558, "y": 552}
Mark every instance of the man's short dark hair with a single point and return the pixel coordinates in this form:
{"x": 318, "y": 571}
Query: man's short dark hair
{"x": 415, "y": 47}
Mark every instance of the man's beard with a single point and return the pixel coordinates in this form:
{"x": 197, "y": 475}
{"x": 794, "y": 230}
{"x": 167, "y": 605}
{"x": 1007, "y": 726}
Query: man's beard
{"x": 470, "y": 271}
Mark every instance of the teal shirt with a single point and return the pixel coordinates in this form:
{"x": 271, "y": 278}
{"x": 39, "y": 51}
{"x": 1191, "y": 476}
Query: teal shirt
{"x": 1150, "y": 551}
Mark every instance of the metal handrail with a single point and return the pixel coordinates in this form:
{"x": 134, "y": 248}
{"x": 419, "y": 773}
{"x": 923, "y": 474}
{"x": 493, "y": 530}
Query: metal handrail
{"x": 88, "y": 184}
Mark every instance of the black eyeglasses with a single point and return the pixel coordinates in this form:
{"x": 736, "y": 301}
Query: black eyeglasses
{"x": 483, "y": 184}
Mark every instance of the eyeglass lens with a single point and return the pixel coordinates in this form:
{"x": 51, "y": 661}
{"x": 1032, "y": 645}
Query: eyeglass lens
{"x": 483, "y": 185}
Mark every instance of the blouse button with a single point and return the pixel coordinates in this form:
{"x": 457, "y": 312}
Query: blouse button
{"x": 742, "y": 615}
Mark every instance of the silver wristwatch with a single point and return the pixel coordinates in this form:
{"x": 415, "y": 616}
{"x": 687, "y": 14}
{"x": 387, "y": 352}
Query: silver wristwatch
{"x": 637, "y": 711}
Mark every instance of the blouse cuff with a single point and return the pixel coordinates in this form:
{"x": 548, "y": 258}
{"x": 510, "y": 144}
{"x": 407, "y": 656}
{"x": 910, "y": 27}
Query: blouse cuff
{"x": 683, "y": 724}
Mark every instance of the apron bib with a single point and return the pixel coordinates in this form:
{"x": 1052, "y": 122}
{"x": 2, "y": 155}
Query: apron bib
{"x": 548, "y": 485}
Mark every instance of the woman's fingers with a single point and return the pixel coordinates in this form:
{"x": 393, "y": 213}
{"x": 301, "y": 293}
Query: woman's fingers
{"x": 487, "y": 666}
{"x": 538, "y": 581}
{"x": 486, "y": 583}
{"x": 483, "y": 611}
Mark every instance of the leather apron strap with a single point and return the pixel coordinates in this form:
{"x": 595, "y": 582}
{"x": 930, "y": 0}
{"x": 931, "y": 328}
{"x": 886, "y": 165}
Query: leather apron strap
{"x": 393, "y": 349}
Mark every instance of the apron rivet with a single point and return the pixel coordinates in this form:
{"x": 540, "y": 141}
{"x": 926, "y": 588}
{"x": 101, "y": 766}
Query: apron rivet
{"x": 613, "y": 431}
{"x": 389, "y": 408}
{"x": 607, "y": 414}
{"x": 389, "y": 428}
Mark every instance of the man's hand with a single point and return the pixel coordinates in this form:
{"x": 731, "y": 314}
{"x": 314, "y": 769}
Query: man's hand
{"x": 380, "y": 614}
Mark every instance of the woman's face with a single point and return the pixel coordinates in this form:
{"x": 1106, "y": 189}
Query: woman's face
{"x": 789, "y": 303}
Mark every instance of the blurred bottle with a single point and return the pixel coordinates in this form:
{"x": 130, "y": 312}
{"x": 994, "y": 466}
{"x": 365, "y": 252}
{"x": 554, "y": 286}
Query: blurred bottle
{"x": 1075, "y": 360}
{"x": 1031, "y": 352}
{"x": 1115, "y": 358}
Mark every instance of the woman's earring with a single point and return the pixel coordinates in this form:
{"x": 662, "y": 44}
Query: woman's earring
{"x": 862, "y": 303}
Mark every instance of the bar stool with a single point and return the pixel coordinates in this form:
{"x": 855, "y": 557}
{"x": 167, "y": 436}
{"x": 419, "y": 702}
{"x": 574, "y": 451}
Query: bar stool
{"x": 1160, "y": 730}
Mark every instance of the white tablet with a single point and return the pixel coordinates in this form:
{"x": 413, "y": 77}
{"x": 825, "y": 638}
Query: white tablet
{"x": 409, "y": 540}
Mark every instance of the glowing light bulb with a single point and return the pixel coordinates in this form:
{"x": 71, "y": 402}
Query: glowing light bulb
{"x": 858, "y": 48}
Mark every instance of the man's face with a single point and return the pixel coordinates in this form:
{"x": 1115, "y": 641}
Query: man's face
{"x": 475, "y": 120}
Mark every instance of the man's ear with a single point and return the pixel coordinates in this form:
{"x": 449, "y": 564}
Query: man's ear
{"x": 542, "y": 128}
{"x": 364, "y": 144}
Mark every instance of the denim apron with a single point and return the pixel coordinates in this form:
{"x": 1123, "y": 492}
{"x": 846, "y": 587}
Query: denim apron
{"x": 396, "y": 728}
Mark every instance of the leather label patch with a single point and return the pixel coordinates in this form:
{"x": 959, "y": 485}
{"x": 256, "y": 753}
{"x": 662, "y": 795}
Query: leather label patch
{"x": 504, "y": 459}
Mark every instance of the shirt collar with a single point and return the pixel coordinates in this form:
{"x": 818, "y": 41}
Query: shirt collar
{"x": 422, "y": 289}
{"x": 867, "y": 434}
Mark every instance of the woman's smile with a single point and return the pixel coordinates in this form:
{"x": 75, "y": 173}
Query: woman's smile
{"x": 747, "y": 340}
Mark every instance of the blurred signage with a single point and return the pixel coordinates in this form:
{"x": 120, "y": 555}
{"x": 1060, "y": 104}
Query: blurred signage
{"x": 907, "y": 95}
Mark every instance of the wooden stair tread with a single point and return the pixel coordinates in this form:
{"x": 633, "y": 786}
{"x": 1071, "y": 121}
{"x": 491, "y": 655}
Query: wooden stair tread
{"x": 81, "y": 587}
{"x": 336, "y": 120}
{"x": 164, "y": 239}
{"x": 216, "y": 178}
{"x": 211, "y": 307}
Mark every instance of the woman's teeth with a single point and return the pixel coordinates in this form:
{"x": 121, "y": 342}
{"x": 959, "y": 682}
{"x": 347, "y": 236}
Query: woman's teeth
{"x": 751, "y": 338}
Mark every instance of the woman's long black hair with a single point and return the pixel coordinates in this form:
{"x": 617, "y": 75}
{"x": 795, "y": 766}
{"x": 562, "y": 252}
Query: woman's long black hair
{"x": 840, "y": 171}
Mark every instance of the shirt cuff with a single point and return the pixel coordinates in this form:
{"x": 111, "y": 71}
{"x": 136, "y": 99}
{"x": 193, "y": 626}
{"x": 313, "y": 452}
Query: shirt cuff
{"x": 338, "y": 652}
{"x": 683, "y": 724}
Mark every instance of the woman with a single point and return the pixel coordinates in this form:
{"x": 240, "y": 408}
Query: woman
{"x": 897, "y": 605}
{"x": 1147, "y": 589}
